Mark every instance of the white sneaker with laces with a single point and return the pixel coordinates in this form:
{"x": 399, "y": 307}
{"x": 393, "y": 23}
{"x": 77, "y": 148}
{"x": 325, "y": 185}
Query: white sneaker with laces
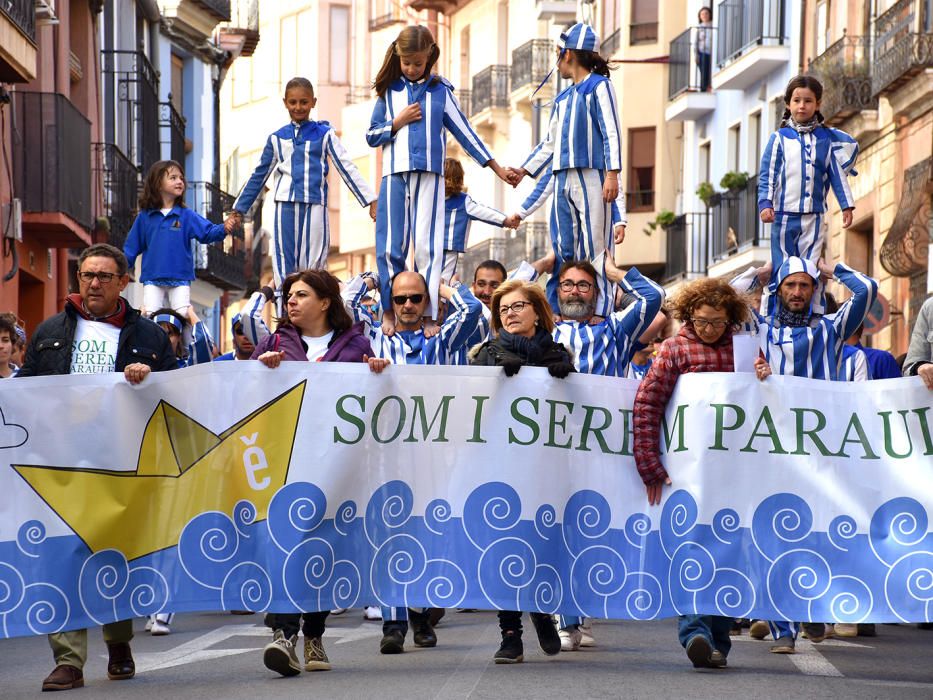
{"x": 159, "y": 628}
{"x": 338, "y": 611}
{"x": 586, "y": 630}
{"x": 279, "y": 655}
{"x": 570, "y": 639}
{"x": 372, "y": 613}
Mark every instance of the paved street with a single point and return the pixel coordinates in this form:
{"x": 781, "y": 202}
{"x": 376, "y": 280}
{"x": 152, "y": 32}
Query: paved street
{"x": 217, "y": 655}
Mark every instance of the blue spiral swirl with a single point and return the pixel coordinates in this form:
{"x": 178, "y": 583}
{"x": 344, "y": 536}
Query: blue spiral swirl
{"x": 692, "y": 568}
{"x": 308, "y": 568}
{"x": 246, "y": 587}
{"x": 146, "y": 593}
{"x": 389, "y": 508}
{"x": 795, "y": 578}
{"x": 725, "y": 524}
{"x": 12, "y": 588}
{"x": 398, "y": 562}
{"x": 345, "y": 517}
{"x": 546, "y": 590}
{"x": 678, "y": 518}
{"x": 780, "y": 519}
{"x": 642, "y": 596}
{"x": 842, "y": 530}
{"x": 44, "y": 609}
{"x": 295, "y": 510}
{"x": 244, "y": 515}
{"x": 207, "y": 548}
{"x": 636, "y": 529}
{"x": 599, "y": 572}
{"x": 30, "y": 535}
{"x": 343, "y": 589}
{"x": 896, "y": 527}
{"x": 546, "y": 522}
{"x": 436, "y": 514}
{"x": 489, "y": 511}
{"x": 848, "y": 598}
{"x": 908, "y": 587}
{"x": 586, "y": 517}
{"x": 506, "y": 565}
{"x": 443, "y": 585}
{"x": 103, "y": 578}
{"x": 732, "y": 592}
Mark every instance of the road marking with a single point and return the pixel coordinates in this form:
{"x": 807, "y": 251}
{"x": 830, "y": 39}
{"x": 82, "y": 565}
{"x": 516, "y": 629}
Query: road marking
{"x": 462, "y": 682}
{"x": 811, "y": 662}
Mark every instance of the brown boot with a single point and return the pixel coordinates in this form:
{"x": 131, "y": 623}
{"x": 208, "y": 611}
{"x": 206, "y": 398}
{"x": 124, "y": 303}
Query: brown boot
{"x": 64, "y": 677}
{"x": 120, "y": 666}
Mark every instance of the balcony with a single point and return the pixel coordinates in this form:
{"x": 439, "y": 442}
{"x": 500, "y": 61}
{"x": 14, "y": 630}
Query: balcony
{"x": 639, "y": 201}
{"x": 465, "y": 98}
{"x": 752, "y": 42}
{"x": 611, "y": 44}
{"x": 490, "y": 92}
{"x": 119, "y": 179}
{"x": 562, "y": 12}
{"x": 218, "y": 8}
{"x": 240, "y": 35}
{"x": 735, "y": 230}
{"x": 130, "y": 87}
{"x": 174, "y": 124}
{"x": 52, "y": 169}
{"x": 531, "y": 62}
{"x": 18, "y": 53}
{"x": 642, "y": 33}
{"x": 900, "y": 52}
{"x": 685, "y": 247}
{"x": 195, "y": 18}
{"x": 222, "y": 264}
{"x": 845, "y": 68}
{"x": 688, "y": 96}
{"x": 385, "y": 13}
{"x": 442, "y": 6}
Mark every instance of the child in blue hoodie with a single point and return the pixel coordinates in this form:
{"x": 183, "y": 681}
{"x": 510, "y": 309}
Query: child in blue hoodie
{"x": 162, "y": 234}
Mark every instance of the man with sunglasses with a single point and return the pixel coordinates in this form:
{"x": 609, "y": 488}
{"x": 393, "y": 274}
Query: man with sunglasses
{"x": 242, "y": 345}
{"x": 97, "y": 332}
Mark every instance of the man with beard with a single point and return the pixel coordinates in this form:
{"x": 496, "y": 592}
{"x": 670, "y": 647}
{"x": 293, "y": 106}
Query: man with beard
{"x": 242, "y": 345}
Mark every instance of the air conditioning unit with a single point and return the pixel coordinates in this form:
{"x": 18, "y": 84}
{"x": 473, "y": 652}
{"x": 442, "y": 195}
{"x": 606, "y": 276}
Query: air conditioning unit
{"x": 11, "y": 220}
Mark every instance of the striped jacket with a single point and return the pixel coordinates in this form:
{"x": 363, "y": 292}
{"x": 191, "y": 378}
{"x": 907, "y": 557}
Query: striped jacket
{"x": 461, "y": 210}
{"x": 296, "y": 156}
{"x": 544, "y": 188}
{"x": 584, "y": 130}
{"x": 797, "y": 170}
{"x": 422, "y": 145}
{"x": 448, "y": 347}
{"x": 854, "y": 365}
{"x": 815, "y": 350}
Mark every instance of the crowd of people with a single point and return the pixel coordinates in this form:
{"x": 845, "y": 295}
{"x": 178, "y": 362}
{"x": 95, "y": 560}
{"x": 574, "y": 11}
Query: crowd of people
{"x": 590, "y": 316}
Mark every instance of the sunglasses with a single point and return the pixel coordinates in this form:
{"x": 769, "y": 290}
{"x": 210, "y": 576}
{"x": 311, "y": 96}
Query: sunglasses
{"x": 413, "y": 298}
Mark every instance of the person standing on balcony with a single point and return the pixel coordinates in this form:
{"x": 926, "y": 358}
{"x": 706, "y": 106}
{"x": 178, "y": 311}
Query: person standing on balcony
{"x": 296, "y": 156}
{"x": 704, "y": 47}
{"x": 413, "y": 114}
{"x": 583, "y": 151}
{"x": 803, "y": 160}
{"x": 162, "y": 234}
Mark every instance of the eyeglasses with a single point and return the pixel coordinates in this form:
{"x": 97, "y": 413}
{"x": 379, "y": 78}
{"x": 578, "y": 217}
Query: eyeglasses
{"x": 104, "y": 277}
{"x": 705, "y": 322}
{"x": 517, "y": 307}
{"x": 401, "y": 299}
{"x": 570, "y": 285}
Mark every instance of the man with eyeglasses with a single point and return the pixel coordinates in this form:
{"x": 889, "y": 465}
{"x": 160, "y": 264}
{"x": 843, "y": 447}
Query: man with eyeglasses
{"x": 800, "y": 342}
{"x": 97, "y": 332}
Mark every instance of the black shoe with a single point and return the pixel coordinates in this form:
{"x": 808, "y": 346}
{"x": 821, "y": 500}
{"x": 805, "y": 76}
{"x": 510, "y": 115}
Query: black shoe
{"x": 424, "y": 635}
{"x": 393, "y": 642}
{"x": 699, "y": 651}
{"x": 867, "y": 629}
{"x": 717, "y": 659}
{"x": 120, "y": 665}
{"x": 435, "y": 615}
{"x": 548, "y": 638}
{"x": 816, "y": 631}
{"x": 511, "y": 650}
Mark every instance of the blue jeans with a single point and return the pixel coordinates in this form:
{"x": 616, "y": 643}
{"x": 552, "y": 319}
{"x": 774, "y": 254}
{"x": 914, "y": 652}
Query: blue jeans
{"x": 714, "y": 627}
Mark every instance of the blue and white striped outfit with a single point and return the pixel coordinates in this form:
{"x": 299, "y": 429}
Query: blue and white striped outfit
{"x": 448, "y": 347}
{"x": 254, "y": 325}
{"x": 297, "y": 156}
{"x": 797, "y": 171}
{"x": 538, "y": 196}
{"x": 460, "y": 211}
{"x": 582, "y": 144}
{"x": 200, "y": 343}
{"x": 411, "y": 198}
{"x": 854, "y": 365}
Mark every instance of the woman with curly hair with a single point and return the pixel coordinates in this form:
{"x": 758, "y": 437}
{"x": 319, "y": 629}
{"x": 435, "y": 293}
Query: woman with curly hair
{"x": 710, "y": 311}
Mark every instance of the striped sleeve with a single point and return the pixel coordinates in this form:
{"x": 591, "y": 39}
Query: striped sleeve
{"x": 461, "y": 322}
{"x": 843, "y": 153}
{"x": 852, "y": 312}
{"x": 543, "y": 189}
{"x": 543, "y": 154}
{"x": 201, "y": 349}
{"x": 352, "y": 293}
{"x": 459, "y": 126}
{"x": 770, "y": 172}
{"x": 254, "y": 327}
{"x": 630, "y": 323}
{"x": 607, "y": 118}
{"x": 348, "y": 171}
{"x": 619, "y": 214}
{"x": 480, "y": 212}
{"x": 254, "y": 185}
{"x": 380, "y": 126}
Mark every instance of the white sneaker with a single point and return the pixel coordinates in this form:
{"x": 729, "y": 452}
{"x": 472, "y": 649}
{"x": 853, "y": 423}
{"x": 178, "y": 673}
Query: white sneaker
{"x": 586, "y": 630}
{"x": 373, "y": 613}
{"x": 159, "y": 628}
{"x": 338, "y": 611}
{"x": 570, "y": 639}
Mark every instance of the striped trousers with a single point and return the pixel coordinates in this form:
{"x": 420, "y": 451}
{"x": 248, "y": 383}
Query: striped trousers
{"x": 410, "y": 215}
{"x": 302, "y": 239}
{"x": 801, "y": 236}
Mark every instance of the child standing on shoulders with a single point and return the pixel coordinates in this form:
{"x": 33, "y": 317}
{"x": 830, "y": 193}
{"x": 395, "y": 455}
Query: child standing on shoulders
{"x": 460, "y": 211}
{"x": 297, "y": 157}
{"x": 413, "y": 114}
{"x": 803, "y": 160}
{"x": 162, "y": 234}
{"x": 710, "y": 310}
{"x": 584, "y": 152}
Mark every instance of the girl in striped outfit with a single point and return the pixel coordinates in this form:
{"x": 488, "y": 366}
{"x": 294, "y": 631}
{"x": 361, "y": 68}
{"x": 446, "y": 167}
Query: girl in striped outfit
{"x": 413, "y": 114}
{"x": 803, "y": 160}
{"x": 584, "y": 152}
{"x": 296, "y": 156}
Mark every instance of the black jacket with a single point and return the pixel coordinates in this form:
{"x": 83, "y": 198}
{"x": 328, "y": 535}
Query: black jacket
{"x": 141, "y": 340}
{"x": 492, "y": 354}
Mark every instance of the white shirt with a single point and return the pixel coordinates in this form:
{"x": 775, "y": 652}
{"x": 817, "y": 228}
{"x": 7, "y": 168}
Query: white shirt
{"x": 317, "y": 347}
{"x": 94, "y": 349}
{"x": 165, "y": 212}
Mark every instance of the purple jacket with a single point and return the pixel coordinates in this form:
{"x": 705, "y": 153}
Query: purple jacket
{"x": 349, "y": 346}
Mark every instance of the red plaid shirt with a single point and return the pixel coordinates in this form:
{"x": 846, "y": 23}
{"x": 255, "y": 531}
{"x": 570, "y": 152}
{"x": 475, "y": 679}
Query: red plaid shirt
{"x": 683, "y": 353}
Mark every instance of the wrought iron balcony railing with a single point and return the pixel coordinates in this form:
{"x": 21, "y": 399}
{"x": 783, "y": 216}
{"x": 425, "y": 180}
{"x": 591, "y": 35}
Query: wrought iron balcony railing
{"x": 531, "y": 63}
{"x": 52, "y": 155}
{"x": 639, "y": 200}
{"x": 899, "y": 51}
{"x": 218, "y": 8}
{"x": 465, "y": 98}
{"x": 359, "y": 93}
{"x": 130, "y": 87}
{"x": 23, "y": 14}
{"x": 686, "y": 246}
{"x": 490, "y": 88}
{"x": 744, "y": 24}
{"x": 222, "y": 264}
{"x": 684, "y": 67}
{"x": 734, "y": 221}
{"x": 611, "y": 44}
{"x": 119, "y": 179}
{"x": 844, "y": 68}
{"x": 170, "y": 119}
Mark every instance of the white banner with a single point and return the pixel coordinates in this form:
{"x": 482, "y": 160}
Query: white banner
{"x": 315, "y": 486}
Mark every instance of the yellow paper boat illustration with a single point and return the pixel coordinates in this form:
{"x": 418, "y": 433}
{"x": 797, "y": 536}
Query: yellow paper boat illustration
{"x": 183, "y": 470}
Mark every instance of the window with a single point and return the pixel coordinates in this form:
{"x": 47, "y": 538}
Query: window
{"x": 703, "y": 162}
{"x": 734, "y": 147}
{"x": 822, "y": 26}
{"x": 643, "y": 28}
{"x": 754, "y": 142}
{"x": 339, "y": 41}
{"x": 178, "y": 83}
{"x": 640, "y": 196}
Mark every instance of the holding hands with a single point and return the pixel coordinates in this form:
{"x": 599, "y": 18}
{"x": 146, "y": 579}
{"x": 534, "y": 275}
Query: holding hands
{"x": 233, "y": 221}
{"x": 512, "y": 221}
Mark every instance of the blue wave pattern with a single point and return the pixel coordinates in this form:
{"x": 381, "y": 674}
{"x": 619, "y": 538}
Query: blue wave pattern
{"x": 775, "y": 567}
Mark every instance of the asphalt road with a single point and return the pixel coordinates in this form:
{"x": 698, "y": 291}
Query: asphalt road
{"x": 218, "y": 656}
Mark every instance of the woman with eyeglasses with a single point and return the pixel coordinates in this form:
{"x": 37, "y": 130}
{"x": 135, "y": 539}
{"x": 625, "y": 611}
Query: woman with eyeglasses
{"x": 710, "y": 310}
{"x": 522, "y": 322}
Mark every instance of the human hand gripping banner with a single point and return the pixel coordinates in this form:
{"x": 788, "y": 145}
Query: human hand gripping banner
{"x": 316, "y": 486}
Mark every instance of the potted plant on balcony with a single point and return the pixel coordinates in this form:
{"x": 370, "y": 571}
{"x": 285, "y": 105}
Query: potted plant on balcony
{"x": 734, "y": 181}
{"x": 664, "y": 219}
{"x": 706, "y": 192}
